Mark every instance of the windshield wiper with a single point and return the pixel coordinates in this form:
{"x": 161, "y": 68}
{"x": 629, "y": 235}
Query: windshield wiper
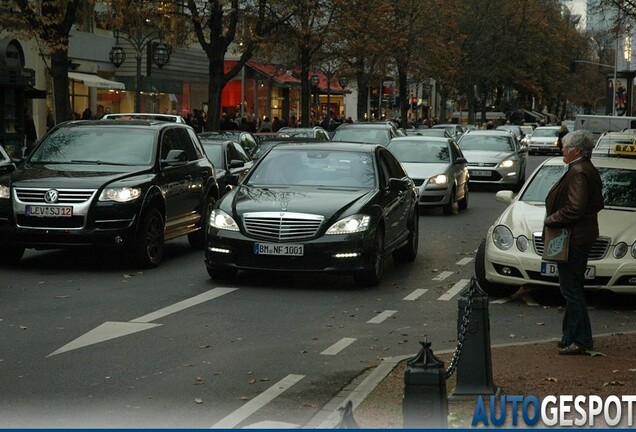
{"x": 96, "y": 162}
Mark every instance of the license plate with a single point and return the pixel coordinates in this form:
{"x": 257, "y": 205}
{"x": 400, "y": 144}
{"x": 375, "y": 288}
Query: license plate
{"x": 550, "y": 269}
{"x": 278, "y": 249}
{"x": 481, "y": 173}
{"x": 49, "y": 211}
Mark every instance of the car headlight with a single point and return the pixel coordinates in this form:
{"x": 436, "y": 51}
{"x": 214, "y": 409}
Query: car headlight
{"x": 223, "y": 221}
{"x": 620, "y": 250}
{"x": 440, "y": 179}
{"x": 634, "y": 250}
{"x": 120, "y": 194}
{"x": 351, "y": 224}
{"x": 5, "y": 192}
{"x": 502, "y": 237}
{"x": 522, "y": 243}
{"x": 507, "y": 163}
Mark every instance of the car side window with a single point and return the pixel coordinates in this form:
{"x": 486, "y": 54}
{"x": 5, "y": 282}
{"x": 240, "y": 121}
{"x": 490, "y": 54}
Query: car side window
{"x": 169, "y": 141}
{"x": 185, "y": 143}
{"x": 393, "y": 165}
{"x": 197, "y": 144}
{"x": 239, "y": 153}
{"x": 455, "y": 150}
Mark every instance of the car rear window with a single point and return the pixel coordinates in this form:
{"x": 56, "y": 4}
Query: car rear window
{"x": 488, "y": 143}
{"x": 419, "y": 151}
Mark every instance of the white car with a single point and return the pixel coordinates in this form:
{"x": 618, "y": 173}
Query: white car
{"x": 510, "y": 255}
{"x": 438, "y": 168}
{"x": 544, "y": 140}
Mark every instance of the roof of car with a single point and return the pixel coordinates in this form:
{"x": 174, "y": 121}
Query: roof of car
{"x": 156, "y": 124}
{"x": 421, "y": 138}
{"x": 154, "y": 116}
{"x": 332, "y": 145}
{"x": 363, "y": 125}
{"x": 601, "y": 162}
{"x": 493, "y": 132}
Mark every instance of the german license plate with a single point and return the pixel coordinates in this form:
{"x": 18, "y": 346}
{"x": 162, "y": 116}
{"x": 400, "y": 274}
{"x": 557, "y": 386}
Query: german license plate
{"x": 480, "y": 173}
{"x": 49, "y": 211}
{"x": 279, "y": 249}
{"x": 550, "y": 269}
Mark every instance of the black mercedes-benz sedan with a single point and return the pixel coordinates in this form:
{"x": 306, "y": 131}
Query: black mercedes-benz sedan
{"x": 127, "y": 184}
{"x": 335, "y": 207}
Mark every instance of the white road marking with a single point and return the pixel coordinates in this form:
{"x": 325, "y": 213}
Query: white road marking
{"x": 464, "y": 261}
{"x": 503, "y": 300}
{"x": 381, "y": 317}
{"x": 442, "y": 276}
{"x": 177, "y": 307}
{"x": 415, "y": 294}
{"x": 258, "y": 402}
{"x": 269, "y": 424}
{"x": 338, "y": 346}
{"x": 111, "y": 329}
{"x": 455, "y": 289}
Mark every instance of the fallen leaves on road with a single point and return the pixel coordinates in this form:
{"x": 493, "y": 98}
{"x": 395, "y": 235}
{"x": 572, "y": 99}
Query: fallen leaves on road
{"x": 24, "y": 328}
{"x": 551, "y": 379}
{"x": 613, "y": 383}
{"x": 198, "y": 401}
{"x": 244, "y": 398}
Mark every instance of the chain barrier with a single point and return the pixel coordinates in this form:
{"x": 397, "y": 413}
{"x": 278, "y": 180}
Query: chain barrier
{"x": 470, "y": 293}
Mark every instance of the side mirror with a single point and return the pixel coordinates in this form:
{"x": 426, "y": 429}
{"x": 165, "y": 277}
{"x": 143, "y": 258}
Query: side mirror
{"x": 175, "y": 157}
{"x": 505, "y": 196}
{"x": 398, "y": 185}
{"x": 6, "y": 169}
{"x": 235, "y": 163}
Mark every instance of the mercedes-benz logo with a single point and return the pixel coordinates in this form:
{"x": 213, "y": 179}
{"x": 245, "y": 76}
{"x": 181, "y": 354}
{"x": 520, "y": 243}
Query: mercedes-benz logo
{"x": 51, "y": 196}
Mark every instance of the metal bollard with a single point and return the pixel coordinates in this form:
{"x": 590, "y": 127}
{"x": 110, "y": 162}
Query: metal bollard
{"x": 474, "y": 370}
{"x": 425, "y": 404}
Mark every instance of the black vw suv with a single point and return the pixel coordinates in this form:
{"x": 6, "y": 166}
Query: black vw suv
{"x": 130, "y": 184}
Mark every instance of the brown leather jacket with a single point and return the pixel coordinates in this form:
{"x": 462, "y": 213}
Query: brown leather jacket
{"x": 574, "y": 202}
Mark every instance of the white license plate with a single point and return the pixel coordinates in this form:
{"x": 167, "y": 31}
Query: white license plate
{"x": 550, "y": 269}
{"x": 481, "y": 173}
{"x": 279, "y": 249}
{"x": 49, "y": 211}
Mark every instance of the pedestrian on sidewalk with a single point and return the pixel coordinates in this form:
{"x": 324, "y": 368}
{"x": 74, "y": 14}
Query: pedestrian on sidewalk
{"x": 574, "y": 202}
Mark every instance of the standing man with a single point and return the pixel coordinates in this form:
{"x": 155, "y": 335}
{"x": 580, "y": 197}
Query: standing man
{"x": 574, "y": 202}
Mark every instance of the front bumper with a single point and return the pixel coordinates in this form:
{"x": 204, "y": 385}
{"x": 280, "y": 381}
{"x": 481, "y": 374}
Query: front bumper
{"x": 516, "y": 268}
{"x": 487, "y": 175}
{"x": 331, "y": 253}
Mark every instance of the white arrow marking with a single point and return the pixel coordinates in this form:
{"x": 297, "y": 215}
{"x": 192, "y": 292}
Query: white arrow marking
{"x": 111, "y": 330}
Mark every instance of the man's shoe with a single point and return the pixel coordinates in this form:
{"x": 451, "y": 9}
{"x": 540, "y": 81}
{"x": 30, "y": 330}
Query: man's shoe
{"x": 572, "y": 349}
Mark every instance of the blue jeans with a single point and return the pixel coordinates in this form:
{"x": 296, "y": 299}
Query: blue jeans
{"x": 576, "y": 321}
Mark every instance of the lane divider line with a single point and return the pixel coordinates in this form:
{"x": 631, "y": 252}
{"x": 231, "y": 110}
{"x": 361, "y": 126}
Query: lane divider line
{"x": 464, "y": 261}
{"x": 415, "y": 294}
{"x": 257, "y": 403}
{"x": 455, "y": 289}
{"x": 338, "y": 346}
{"x": 442, "y": 275}
{"x": 381, "y": 317}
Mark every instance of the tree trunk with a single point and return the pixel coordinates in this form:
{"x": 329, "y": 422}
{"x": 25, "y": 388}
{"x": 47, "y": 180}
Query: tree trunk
{"x": 405, "y": 97}
{"x": 305, "y": 87}
{"x": 363, "y": 93}
{"x": 61, "y": 96}
{"x": 215, "y": 89}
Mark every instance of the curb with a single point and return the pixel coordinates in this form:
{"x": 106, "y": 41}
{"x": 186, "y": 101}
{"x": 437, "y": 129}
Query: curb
{"x": 330, "y": 415}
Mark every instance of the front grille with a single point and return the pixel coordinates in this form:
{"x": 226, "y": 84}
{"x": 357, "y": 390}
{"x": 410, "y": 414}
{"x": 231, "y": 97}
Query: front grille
{"x": 282, "y": 226}
{"x": 65, "y": 196}
{"x": 489, "y": 164}
{"x": 599, "y": 248}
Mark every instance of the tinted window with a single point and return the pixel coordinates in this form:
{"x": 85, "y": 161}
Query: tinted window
{"x": 489, "y": 143}
{"x": 94, "y": 144}
{"x": 214, "y": 152}
{"x": 186, "y": 144}
{"x": 419, "y": 151}
{"x": 395, "y": 169}
{"x": 370, "y": 135}
{"x": 239, "y": 153}
{"x": 283, "y": 167}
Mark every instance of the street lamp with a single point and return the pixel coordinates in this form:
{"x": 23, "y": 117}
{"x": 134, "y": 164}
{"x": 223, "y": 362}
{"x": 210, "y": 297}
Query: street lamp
{"x": 139, "y": 42}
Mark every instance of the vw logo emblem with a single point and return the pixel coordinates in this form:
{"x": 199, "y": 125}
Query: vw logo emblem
{"x": 51, "y": 196}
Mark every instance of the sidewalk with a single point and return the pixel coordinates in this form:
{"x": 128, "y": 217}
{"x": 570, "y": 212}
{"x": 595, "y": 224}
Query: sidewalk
{"x": 523, "y": 369}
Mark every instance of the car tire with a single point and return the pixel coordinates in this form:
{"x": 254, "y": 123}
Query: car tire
{"x": 492, "y": 289}
{"x": 197, "y": 238}
{"x": 447, "y": 209}
{"x": 221, "y": 273}
{"x": 372, "y": 276}
{"x": 463, "y": 203}
{"x": 11, "y": 255}
{"x": 408, "y": 252}
{"x": 149, "y": 247}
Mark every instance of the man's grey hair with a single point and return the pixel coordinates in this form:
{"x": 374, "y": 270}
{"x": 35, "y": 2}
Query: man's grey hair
{"x": 580, "y": 139}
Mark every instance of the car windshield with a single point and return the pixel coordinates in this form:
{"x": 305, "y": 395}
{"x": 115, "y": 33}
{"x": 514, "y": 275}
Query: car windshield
{"x": 327, "y": 168}
{"x": 604, "y": 144}
{"x": 97, "y": 145}
{"x": 618, "y": 185}
{"x": 545, "y": 133}
{"x": 214, "y": 152}
{"x": 370, "y": 135}
{"x": 262, "y": 148}
{"x": 407, "y": 151}
{"x": 488, "y": 143}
